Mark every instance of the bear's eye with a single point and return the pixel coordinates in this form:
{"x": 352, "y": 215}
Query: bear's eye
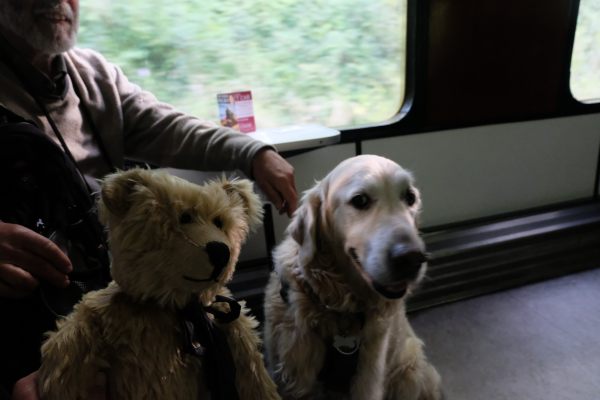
{"x": 410, "y": 197}
{"x": 361, "y": 201}
{"x": 185, "y": 218}
{"x": 218, "y": 222}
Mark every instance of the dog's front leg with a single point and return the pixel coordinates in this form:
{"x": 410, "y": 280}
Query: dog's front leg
{"x": 414, "y": 378}
{"x": 300, "y": 357}
{"x": 369, "y": 382}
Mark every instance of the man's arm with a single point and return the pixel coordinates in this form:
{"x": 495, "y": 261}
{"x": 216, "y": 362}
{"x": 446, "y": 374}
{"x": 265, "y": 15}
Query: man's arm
{"x": 154, "y": 132}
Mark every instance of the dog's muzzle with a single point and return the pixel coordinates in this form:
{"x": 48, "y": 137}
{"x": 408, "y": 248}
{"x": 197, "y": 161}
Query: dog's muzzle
{"x": 404, "y": 265}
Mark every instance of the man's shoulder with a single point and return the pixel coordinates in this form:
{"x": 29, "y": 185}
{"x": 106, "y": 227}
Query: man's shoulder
{"x": 85, "y": 54}
{"x": 87, "y": 58}
{"x": 91, "y": 63}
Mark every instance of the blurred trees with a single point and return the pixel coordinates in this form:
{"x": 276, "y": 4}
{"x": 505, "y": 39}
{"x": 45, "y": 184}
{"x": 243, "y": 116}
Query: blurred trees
{"x": 335, "y": 62}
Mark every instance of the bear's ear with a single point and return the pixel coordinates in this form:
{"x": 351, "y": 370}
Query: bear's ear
{"x": 252, "y": 203}
{"x": 116, "y": 190}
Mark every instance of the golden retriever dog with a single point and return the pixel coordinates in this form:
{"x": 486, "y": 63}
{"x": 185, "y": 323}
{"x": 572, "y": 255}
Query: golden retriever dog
{"x": 335, "y": 321}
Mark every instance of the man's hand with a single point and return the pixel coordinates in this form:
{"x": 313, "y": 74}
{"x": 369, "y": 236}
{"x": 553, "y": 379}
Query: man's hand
{"x": 275, "y": 177}
{"x": 27, "y": 257}
{"x": 26, "y": 388}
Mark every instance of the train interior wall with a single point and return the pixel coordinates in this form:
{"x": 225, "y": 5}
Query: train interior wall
{"x": 469, "y": 173}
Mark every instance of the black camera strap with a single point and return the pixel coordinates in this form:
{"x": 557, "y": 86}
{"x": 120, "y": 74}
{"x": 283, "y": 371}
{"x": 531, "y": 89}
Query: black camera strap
{"x": 86, "y": 116}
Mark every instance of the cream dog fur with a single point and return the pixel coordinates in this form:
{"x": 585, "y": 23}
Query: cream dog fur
{"x": 162, "y": 233}
{"x": 351, "y": 254}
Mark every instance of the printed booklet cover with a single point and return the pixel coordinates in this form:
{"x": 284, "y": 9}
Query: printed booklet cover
{"x": 236, "y": 111}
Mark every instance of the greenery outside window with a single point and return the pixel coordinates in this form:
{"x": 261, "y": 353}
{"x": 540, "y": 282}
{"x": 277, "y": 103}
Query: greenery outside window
{"x": 585, "y": 64}
{"x": 339, "y": 63}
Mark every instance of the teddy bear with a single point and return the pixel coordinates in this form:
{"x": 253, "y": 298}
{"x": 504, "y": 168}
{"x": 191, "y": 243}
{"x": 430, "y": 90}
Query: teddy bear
{"x": 165, "y": 327}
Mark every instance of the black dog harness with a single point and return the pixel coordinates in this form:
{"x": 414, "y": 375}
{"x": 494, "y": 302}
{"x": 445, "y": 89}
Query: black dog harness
{"x": 203, "y": 339}
{"x": 342, "y": 350}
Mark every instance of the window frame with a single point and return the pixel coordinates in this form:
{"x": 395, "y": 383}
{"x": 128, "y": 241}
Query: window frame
{"x": 412, "y": 119}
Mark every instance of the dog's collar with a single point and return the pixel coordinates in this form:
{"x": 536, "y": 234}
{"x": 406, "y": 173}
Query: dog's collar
{"x": 349, "y": 318}
{"x": 305, "y": 287}
{"x": 303, "y": 284}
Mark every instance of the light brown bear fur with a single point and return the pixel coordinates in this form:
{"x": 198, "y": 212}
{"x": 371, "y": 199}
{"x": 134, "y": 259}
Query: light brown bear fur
{"x": 129, "y": 331}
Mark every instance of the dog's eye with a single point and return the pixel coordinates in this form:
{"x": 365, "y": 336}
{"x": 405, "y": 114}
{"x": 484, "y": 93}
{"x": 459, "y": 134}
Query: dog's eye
{"x": 410, "y": 197}
{"x": 218, "y": 222}
{"x": 360, "y": 201}
{"x": 185, "y": 218}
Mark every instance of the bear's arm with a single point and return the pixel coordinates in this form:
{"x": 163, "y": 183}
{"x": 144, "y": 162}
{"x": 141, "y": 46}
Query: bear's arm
{"x": 72, "y": 357}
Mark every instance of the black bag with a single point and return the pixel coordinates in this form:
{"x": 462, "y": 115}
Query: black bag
{"x": 42, "y": 189}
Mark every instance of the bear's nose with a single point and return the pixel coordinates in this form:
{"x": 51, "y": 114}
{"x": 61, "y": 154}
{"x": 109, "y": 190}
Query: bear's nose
{"x": 218, "y": 254}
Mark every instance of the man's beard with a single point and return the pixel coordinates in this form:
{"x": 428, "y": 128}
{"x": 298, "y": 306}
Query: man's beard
{"x": 39, "y": 28}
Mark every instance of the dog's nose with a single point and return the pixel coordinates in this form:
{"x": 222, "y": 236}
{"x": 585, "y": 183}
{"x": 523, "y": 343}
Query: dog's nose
{"x": 406, "y": 261}
{"x": 218, "y": 254}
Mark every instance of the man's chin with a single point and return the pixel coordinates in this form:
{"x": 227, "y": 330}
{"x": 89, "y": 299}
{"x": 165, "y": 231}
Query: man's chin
{"x": 62, "y": 46}
{"x": 55, "y": 43}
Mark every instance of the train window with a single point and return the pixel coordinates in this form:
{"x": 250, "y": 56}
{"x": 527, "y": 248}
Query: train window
{"x": 585, "y": 64}
{"x": 334, "y": 62}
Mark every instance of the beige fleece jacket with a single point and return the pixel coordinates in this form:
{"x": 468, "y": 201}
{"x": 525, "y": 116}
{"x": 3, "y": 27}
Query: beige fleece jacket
{"x": 131, "y": 122}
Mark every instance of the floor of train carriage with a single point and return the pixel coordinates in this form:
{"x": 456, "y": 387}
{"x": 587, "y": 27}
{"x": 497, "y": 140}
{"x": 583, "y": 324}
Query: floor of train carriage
{"x": 536, "y": 342}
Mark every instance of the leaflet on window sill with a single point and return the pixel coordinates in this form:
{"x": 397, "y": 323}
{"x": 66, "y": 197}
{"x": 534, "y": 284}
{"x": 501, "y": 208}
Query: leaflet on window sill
{"x": 236, "y": 111}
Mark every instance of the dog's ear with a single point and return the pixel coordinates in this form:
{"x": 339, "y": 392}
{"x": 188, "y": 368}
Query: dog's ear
{"x": 418, "y": 208}
{"x": 116, "y": 192}
{"x": 305, "y": 224}
{"x": 243, "y": 189}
